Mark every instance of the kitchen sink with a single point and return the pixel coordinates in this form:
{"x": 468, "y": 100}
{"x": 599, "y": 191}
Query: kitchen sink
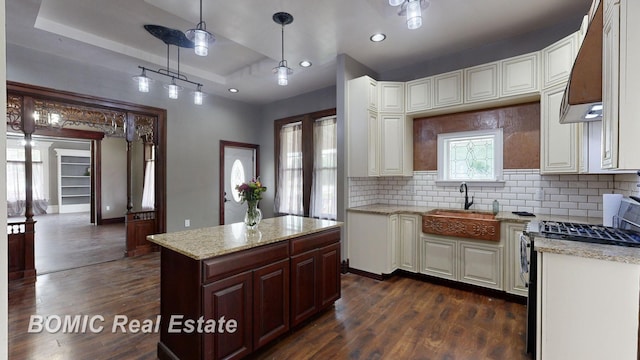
{"x": 470, "y": 224}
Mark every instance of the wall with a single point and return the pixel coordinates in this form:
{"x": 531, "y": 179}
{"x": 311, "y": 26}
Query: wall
{"x": 114, "y": 177}
{"x": 53, "y": 168}
{"x": 193, "y": 132}
{"x": 568, "y": 195}
{"x": 313, "y": 101}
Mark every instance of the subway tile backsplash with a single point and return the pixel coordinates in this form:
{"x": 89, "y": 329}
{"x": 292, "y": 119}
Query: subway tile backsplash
{"x": 568, "y": 195}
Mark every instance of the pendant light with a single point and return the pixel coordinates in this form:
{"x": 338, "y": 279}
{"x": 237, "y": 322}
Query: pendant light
{"x": 198, "y": 95}
{"x": 143, "y": 81}
{"x": 282, "y": 70}
{"x": 412, "y": 10}
{"x": 200, "y": 36}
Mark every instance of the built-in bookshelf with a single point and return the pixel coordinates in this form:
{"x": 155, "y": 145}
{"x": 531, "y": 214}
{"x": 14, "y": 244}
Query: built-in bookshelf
{"x": 74, "y": 180}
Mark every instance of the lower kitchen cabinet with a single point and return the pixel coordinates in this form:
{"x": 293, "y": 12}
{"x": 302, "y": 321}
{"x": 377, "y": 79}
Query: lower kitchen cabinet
{"x": 514, "y": 283}
{"x": 439, "y": 257}
{"x": 474, "y": 262}
{"x": 270, "y": 302}
{"x": 315, "y": 277}
{"x": 480, "y": 264}
{"x": 408, "y": 235}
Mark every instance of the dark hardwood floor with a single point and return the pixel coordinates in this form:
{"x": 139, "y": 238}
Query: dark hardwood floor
{"x": 400, "y": 318}
{"x": 67, "y": 241}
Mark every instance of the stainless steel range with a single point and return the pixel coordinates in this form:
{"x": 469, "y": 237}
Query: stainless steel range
{"x": 626, "y": 232}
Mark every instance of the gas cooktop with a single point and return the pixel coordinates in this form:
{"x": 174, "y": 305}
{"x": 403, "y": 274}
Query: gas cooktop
{"x": 585, "y": 233}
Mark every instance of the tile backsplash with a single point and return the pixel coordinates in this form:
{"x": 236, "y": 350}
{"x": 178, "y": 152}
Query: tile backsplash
{"x": 523, "y": 190}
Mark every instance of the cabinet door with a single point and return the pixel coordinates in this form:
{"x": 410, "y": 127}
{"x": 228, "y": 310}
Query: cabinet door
{"x": 372, "y": 91}
{"x": 514, "y": 283}
{"x": 520, "y": 75}
{"x": 481, "y": 83}
{"x": 329, "y": 274}
{"x": 392, "y": 244}
{"x": 392, "y": 144}
{"x": 439, "y": 257}
{"x": 373, "y": 154}
{"x": 447, "y": 89}
{"x": 391, "y": 96}
{"x": 418, "y": 95}
{"x": 559, "y": 143}
{"x": 270, "y": 302}
{"x": 230, "y": 298}
{"x": 304, "y": 298}
{"x": 557, "y": 61}
{"x": 481, "y": 265}
{"x": 610, "y": 85}
{"x": 408, "y": 241}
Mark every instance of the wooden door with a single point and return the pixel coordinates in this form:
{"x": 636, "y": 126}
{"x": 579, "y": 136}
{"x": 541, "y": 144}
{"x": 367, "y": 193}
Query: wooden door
{"x": 329, "y": 275}
{"x": 270, "y": 302}
{"x": 303, "y": 286}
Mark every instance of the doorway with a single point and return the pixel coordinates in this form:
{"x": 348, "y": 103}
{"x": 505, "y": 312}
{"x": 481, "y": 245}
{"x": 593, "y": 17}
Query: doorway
{"x": 238, "y": 164}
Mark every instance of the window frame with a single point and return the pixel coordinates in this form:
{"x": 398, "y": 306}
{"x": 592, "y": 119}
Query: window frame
{"x": 307, "y": 121}
{"x": 443, "y": 155}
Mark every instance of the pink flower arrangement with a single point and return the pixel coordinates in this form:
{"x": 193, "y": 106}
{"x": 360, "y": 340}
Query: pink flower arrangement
{"x": 251, "y": 191}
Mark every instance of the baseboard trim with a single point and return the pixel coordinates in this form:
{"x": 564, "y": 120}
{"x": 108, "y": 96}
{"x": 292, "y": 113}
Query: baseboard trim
{"x": 118, "y": 220}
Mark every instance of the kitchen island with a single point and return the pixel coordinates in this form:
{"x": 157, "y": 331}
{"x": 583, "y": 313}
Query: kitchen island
{"x": 226, "y": 291}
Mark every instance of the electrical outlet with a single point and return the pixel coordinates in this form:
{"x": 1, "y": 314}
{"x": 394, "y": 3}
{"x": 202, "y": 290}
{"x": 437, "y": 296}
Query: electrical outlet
{"x": 187, "y": 222}
{"x": 107, "y": 207}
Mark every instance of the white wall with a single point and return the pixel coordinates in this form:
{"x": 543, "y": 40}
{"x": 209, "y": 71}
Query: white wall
{"x": 114, "y": 177}
{"x": 193, "y": 132}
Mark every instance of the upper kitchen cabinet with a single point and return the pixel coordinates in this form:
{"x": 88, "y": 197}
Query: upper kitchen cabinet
{"x": 620, "y": 85}
{"x": 419, "y": 95}
{"x": 391, "y": 97}
{"x": 379, "y": 143}
{"x": 557, "y": 60}
{"x": 447, "y": 89}
{"x": 520, "y": 75}
{"x": 559, "y": 143}
{"x": 482, "y": 82}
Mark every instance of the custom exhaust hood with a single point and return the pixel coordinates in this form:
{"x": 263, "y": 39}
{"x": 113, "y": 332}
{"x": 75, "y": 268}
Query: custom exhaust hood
{"x": 582, "y": 99}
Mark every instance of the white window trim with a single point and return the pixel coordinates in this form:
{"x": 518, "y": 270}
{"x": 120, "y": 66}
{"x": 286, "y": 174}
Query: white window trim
{"x": 498, "y": 159}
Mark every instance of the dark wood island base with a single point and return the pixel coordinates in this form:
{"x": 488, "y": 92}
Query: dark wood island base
{"x": 228, "y": 306}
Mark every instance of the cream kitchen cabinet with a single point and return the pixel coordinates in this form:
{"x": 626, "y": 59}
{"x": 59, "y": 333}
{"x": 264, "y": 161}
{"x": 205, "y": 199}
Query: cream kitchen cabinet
{"x": 419, "y": 95}
{"x": 474, "y": 262}
{"x": 447, "y": 89}
{"x": 372, "y": 242}
{"x": 482, "y": 83}
{"x": 620, "y": 85}
{"x": 396, "y": 145}
{"x": 480, "y": 264}
{"x": 559, "y": 143}
{"x": 391, "y": 97}
{"x": 408, "y": 235}
{"x": 439, "y": 256}
{"x": 557, "y": 60}
{"x": 587, "y": 308}
{"x": 379, "y": 143}
{"x": 520, "y": 75}
{"x": 513, "y": 282}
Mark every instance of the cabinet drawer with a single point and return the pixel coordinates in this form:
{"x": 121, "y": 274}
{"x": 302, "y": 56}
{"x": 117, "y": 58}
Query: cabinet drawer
{"x": 314, "y": 241}
{"x": 223, "y": 266}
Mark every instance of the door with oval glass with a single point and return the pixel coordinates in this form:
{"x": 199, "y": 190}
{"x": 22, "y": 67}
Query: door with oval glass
{"x": 239, "y": 164}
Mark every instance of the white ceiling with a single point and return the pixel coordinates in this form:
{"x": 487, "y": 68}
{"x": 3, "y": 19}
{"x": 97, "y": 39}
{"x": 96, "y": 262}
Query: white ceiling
{"x": 111, "y": 34}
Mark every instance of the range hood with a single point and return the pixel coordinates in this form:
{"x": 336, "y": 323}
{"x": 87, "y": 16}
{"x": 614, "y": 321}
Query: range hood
{"x": 582, "y": 99}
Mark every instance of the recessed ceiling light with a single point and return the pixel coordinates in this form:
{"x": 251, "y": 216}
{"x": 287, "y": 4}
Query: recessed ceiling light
{"x": 305, "y": 63}
{"x": 378, "y": 37}
{"x": 233, "y": 90}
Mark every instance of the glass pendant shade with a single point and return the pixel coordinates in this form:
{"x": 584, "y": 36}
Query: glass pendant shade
{"x": 143, "y": 82}
{"x": 198, "y": 96}
{"x": 414, "y": 14}
{"x": 201, "y": 39}
{"x": 282, "y": 75}
{"x": 173, "y": 89}
{"x": 395, "y": 2}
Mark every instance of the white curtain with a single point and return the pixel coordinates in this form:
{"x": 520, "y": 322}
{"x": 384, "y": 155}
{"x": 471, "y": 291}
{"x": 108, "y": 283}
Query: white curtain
{"x": 325, "y": 169}
{"x": 289, "y": 192}
{"x": 16, "y": 189}
{"x": 148, "y": 193}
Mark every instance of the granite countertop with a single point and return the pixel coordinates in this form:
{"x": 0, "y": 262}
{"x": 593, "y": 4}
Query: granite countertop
{"x": 209, "y": 242}
{"x": 623, "y": 254}
{"x": 383, "y": 209}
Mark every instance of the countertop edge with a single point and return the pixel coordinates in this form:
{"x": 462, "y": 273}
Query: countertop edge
{"x": 621, "y": 254}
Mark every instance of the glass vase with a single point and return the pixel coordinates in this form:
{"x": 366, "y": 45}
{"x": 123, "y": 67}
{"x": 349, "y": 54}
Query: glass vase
{"x": 253, "y": 216}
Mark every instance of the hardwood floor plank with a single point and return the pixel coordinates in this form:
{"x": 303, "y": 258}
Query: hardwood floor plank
{"x": 399, "y": 318}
